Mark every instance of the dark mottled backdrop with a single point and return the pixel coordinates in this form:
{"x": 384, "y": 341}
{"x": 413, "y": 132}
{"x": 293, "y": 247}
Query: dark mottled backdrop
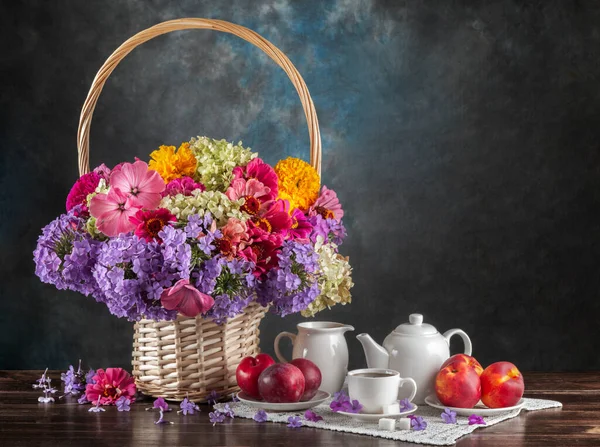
{"x": 462, "y": 139}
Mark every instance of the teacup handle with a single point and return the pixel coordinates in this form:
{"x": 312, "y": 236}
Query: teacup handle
{"x": 462, "y": 334}
{"x": 414, "y": 387}
{"x": 289, "y": 335}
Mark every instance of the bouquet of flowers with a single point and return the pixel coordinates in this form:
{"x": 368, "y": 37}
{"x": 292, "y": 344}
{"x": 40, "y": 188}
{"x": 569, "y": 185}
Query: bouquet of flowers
{"x": 203, "y": 229}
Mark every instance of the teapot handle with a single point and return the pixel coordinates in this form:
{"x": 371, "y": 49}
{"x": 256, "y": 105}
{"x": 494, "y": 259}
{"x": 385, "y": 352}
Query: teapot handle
{"x": 465, "y": 338}
{"x": 289, "y": 335}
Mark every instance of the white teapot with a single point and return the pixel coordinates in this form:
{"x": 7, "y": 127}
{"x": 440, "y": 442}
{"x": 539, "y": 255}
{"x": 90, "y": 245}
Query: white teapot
{"x": 414, "y": 349}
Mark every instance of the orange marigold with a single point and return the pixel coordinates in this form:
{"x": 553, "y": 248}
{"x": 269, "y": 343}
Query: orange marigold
{"x": 298, "y": 183}
{"x": 171, "y": 164}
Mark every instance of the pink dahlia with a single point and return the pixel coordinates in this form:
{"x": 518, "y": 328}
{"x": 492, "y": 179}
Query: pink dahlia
{"x": 86, "y": 184}
{"x": 182, "y": 185}
{"x": 113, "y": 210}
{"x": 135, "y": 179}
{"x": 109, "y": 386}
{"x": 327, "y": 205}
{"x": 301, "y": 227}
{"x": 149, "y": 223}
{"x": 261, "y": 248}
{"x": 185, "y": 298}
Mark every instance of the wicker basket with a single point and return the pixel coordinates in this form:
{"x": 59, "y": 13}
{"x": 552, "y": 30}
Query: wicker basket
{"x": 194, "y": 355}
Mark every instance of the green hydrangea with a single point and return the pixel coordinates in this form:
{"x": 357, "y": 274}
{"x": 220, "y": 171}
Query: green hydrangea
{"x": 215, "y": 202}
{"x": 335, "y": 280}
{"x": 216, "y": 160}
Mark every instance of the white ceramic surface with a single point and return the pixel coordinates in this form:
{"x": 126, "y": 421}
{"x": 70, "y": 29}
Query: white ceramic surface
{"x": 370, "y": 417}
{"x": 376, "y": 392}
{"x": 323, "y": 343}
{"x": 414, "y": 349}
{"x": 479, "y": 409}
{"x": 320, "y": 397}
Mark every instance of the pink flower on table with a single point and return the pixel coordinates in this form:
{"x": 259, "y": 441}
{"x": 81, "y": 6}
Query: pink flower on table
{"x": 185, "y": 298}
{"x": 327, "y": 205}
{"x": 183, "y": 185}
{"x": 113, "y": 210}
{"x": 150, "y": 223}
{"x": 85, "y": 185}
{"x": 301, "y": 227}
{"x": 109, "y": 386}
{"x": 136, "y": 180}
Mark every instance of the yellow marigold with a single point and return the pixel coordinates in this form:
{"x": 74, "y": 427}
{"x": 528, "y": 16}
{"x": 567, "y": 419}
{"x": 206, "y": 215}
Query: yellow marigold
{"x": 171, "y": 164}
{"x": 299, "y": 182}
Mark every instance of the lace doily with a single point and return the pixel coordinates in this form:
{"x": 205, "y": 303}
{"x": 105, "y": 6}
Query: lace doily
{"x": 436, "y": 433}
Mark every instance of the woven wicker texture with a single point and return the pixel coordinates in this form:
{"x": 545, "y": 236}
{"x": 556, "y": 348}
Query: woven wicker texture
{"x": 85, "y": 120}
{"x": 194, "y": 356}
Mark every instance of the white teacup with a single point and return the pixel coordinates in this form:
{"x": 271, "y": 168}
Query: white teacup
{"x": 376, "y": 387}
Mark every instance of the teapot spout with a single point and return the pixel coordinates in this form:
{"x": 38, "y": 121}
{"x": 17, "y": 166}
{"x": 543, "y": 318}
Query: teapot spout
{"x": 377, "y": 356}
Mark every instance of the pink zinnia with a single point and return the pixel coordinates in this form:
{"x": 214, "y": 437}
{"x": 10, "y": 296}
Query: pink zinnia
{"x": 327, "y": 205}
{"x": 85, "y": 185}
{"x": 113, "y": 210}
{"x": 261, "y": 248}
{"x": 241, "y": 188}
{"x": 301, "y": 227}
{"x": 135, "y": 179}
{"x": 261, "y": 171}
{"x": 149, "y": 223}
{"x": 183, "y": 185}
{"x": 109, "y": 386}
{"x": 185, "y": 298}
{"x": 274, "y": 217}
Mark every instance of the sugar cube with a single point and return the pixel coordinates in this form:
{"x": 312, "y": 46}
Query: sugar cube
{"x": 403, "y": 424}
{"x": 387, "y": 424}
{"x": 392, "y": 408}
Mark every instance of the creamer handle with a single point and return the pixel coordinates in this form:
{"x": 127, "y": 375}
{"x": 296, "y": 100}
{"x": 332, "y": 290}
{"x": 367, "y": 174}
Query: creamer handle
{"x": 289, "y": 335}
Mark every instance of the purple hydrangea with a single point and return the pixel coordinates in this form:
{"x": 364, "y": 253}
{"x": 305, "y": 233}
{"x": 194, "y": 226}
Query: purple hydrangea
{"x": 261, "y": 416}
{"x": 132, "y": 274}
{"x": 329, "y": 229}
{"x": 310, "y": 415}
{"x": 448, "y": 416}
{"x": 341, "y": 402}
{"x": 66, "y": 253}
{"x": 294, "y": 422}
{"x": 476, "y": 420}
{"x": 417, "y": 423}
{"x": 293, "y": 285}
{"x": 188, "y": 407}
{"x": 123, "y": 403}
{"x": 230, "y": 282}
{"x": 73, "y": 381}
{"x": 216, "y": 417}
{"x": 405, "y": 405}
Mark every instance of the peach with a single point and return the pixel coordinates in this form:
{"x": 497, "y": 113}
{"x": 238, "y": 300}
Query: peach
{"x": 502, "y": 385}
{"x": 464, "y": 358}
{"x": 458, "y": 385}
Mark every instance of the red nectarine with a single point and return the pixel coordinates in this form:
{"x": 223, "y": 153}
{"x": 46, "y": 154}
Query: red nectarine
{"x": 502, "y": 385}
{"x": 464, "y": 358}
{"x": 458, "y": 385}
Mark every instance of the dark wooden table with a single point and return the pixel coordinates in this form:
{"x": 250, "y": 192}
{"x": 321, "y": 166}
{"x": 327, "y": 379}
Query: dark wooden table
{"x": 25, "y": 422}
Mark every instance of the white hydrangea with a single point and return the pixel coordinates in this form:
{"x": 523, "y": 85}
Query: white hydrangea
{"x": 335, "y": 280}
{"x": 216, "y": 160}
{"x": 215, "y": 202}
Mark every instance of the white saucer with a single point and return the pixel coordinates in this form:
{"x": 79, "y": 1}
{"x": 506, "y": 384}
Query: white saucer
{"x": 374, "y": 417}
{"x": 479, "y": 409}
{"x": 320, "y": 397}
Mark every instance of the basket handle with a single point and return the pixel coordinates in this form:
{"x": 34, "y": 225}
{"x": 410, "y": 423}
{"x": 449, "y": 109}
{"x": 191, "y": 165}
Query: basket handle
{"x": 85, "y": 119}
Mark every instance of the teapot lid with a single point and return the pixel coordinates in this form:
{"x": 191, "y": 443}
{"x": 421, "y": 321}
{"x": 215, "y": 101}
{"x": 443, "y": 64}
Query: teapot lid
{"x": 415, "y": 326}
